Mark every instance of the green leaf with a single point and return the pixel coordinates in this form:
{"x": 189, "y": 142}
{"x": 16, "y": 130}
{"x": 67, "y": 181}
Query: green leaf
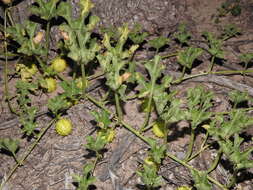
{"x": 86, "y": 6}
{"x": 238, "y": 121}
{"x": 95, "y": 144}
{"x": 199, "y": 98}
{"x": 232, "y": 150}
{"x": 57, "y": 104}
{"x": 86, "y": 179}
{"x": 9, "y": 144}
{"x": 102, "y": 118}
{"x": 71, "y": 90}
{"x": 230, "y": 31}
{"x": 215, "y": 45}
{"x": 154, "y": 68}
{"x": 158, "y": 42}
{"x": 173, "y": 113}
{"x": 187, "y": 57}
{"x": 237, "y": 97}
{"x": 24, "y": 35}
{"x": 200, "y": 180}
{"x": 27, "y": 119}
{"x": 157, "y": 152}
{"x": 65, "y": 10}
{"x": 149, "y": 176}
{"x": 199, "y": 101}
{"x": 45, "y": 9}
{"x": 246, "y": 57}
{"x": 182, "y": 35}
{"x": 136, "y": 35}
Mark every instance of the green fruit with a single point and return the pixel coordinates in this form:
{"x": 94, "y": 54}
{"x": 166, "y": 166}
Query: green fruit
{"x": 59, "y": 64}
{"x": 79, "y": 83}
{"x": 107, "y": 135}
{"x": 63, "y": 127}
{"x": 184, "y": 188}
{"x": 149, "y": 161}
{"x": 50, "y": 84}
{"x": 159, "y": 129}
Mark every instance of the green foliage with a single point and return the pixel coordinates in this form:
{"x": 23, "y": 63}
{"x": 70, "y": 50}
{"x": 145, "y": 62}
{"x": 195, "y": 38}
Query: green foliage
{"x": 200, "y": 180}
{"x": 158, "y": 42}
{"x": 45, "y": 9}
{"x": 57, "y": 104}
{"x": 71, "y": 91}
{"x": 114, "y": 61}
{"x": 27, "y": 111}
{"x": 115, "y": 55}
{"x": 157, "y": 152}
{"x": 232, "y": 7}
{"x": 136, "y": 35}
{"x": 79, "y": 44}
{"x": 233, "y": 152}
{"x": 86, "y": 179}
{"x": 149, "y": 176}
{"x": 199, "y": 101}
{"x": 246, "y": 57}
{"x": 24, "y": 34}
{"x": 182, "y": 35}
{"x": 172, "y": 112}
{"x": 154, "y": 69}
{"x": 237, "y": 122}
{"x": 102, "y": 118}
{"x": 95, "y": 144}
{"x": 187, "y": 57}
{"x": 237, "y": 97}
{"x": 215, "y": 45}
{"x": 230, "y": 31}
{"x": 10, "y": 145}
{"x": 27, "y": 119}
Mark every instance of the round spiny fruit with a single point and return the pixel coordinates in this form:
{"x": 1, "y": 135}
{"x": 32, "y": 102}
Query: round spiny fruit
{"x": 63, "y": 127}
{"x": 59, "y": 64}
{"x": 50, "y": 84}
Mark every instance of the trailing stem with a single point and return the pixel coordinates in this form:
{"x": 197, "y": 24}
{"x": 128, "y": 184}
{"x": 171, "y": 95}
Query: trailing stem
{"x": 145, "y": 123}
{"x": 84, "y": 80}
{"x": 27, "y": 153}
{"x": 216, "y": 162}
{"x": 47, "y": 38}
{"x": 202, "y": 148}
{"x": 182, "y": 75}
{"x": 190, "y": 148}
{"x": 146, "y": 140}
{"x": 118, "y": 107}
{"x": 6, "y": 68}
{"x": 229, "y": 72}
{"x": 211, "y": 66}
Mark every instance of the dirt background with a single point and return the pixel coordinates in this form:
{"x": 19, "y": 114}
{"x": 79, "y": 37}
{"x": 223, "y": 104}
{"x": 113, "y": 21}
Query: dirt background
{"x": 51, "y": 164}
